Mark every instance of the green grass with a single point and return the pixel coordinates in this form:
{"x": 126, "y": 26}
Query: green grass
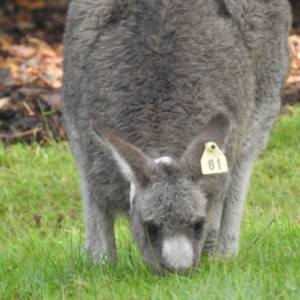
{"x": 42, "y": 234}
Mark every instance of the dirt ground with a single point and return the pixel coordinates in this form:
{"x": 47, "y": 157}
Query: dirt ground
{"x": 31, "y": 69}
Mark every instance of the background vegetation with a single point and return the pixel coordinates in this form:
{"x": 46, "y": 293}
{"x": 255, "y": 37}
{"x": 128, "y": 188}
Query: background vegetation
{"x": 42, "y": 233}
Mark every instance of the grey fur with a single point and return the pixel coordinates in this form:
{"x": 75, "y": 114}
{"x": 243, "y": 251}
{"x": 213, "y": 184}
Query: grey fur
{"x": 166, "y": 76}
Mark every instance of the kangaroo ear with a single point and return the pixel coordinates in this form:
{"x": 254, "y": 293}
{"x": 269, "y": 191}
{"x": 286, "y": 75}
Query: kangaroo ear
{"x": 133, "y": 163}
{"x": 216, "y": 130}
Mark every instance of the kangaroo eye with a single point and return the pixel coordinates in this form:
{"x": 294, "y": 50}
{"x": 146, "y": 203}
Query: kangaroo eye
{"x": 198, "y": 227}
{"x": 152, "y": 230}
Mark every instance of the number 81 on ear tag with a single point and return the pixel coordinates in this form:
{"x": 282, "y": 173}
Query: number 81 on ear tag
{"x": 213, "y": 161}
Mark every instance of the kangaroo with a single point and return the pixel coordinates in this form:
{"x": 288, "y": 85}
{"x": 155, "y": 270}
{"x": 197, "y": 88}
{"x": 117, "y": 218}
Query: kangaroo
{"x": 147, "y": 85}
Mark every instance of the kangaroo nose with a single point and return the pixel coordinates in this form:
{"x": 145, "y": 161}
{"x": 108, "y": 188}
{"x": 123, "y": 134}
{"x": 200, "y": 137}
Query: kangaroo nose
{"x": 177, "y": 253}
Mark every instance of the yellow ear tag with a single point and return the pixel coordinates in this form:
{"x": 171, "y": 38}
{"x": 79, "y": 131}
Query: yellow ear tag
{"x": 213, "y": 161}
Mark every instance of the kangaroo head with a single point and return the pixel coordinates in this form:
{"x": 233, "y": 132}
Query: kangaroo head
{"x": 169, "y": 198}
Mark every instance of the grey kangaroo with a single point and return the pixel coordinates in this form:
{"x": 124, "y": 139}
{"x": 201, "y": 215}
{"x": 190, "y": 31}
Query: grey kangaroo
{"x": 147, "y": 84}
